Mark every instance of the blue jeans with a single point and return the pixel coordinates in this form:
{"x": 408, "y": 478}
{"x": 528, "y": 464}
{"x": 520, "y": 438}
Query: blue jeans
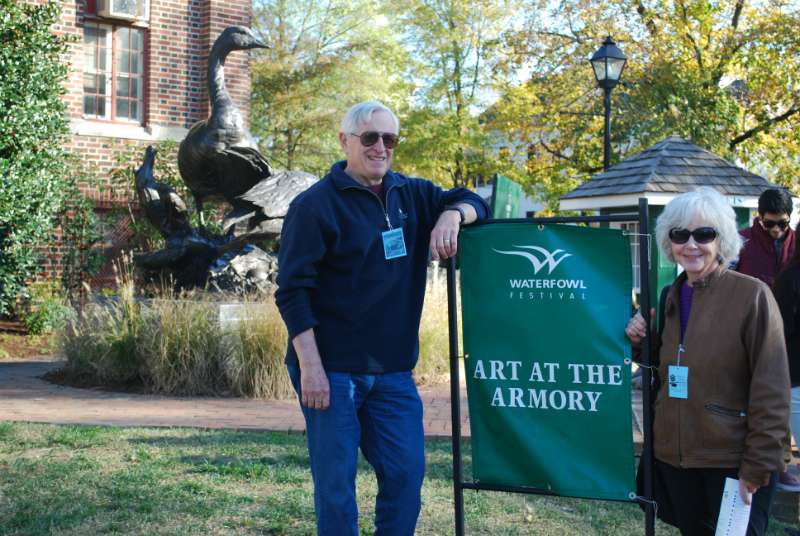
{"x": 382, "y": 414}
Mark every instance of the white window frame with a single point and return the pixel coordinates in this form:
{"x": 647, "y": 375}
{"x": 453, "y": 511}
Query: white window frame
{"x": 110, "y": 75}
{"x": 140, "y": 79}
{"x": 107, "y": 74}
{"x": 105, "y": 8}
{"x": 631, "y": 229}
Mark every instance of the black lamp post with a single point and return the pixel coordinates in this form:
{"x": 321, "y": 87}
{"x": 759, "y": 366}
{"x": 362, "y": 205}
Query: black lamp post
{"x": 608, "y": 63}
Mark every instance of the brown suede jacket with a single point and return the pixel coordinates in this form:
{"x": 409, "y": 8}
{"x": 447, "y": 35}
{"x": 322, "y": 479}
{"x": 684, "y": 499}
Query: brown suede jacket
{"x": 737, "y": 410}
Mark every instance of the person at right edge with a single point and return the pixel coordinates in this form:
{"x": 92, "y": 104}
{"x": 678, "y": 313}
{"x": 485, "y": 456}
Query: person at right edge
{"x": 769, "y": 246}
{"x": 722, "y": 407}
{"x": 787, "y": 293}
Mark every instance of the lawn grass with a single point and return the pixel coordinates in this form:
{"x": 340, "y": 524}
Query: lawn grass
{"x": 87, "y": 480}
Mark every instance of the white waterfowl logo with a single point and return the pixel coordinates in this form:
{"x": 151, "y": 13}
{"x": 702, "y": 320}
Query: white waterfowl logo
{"x": 550, "y": 259}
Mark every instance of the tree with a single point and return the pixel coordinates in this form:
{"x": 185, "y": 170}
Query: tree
{"x": 324, "y": 57}
{"x": 722, "y": 74}
{"x": 33, "y": 129}
{"x": 456, "y": 47}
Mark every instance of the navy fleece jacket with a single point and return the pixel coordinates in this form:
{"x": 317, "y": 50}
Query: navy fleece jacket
{"x": 333, "y": 275}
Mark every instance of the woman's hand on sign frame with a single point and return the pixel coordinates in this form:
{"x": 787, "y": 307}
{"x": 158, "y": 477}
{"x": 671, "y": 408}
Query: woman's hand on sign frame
{"x": 636, "y": 330}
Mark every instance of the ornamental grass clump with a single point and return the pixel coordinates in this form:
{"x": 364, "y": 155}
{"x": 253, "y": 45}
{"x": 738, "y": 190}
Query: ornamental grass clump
{"x": 434, "y": 342}
{"x": 100, "y": 343}
{"x": 257, "y": 369}
{"x": 182, "y": 347}
{"x": 177, "y": 345}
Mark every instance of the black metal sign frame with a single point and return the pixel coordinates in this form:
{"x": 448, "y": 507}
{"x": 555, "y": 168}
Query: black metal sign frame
{"x": 459, "y": 485}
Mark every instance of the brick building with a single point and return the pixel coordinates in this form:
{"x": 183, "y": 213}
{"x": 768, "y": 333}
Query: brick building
{"x": 138, "y": 76}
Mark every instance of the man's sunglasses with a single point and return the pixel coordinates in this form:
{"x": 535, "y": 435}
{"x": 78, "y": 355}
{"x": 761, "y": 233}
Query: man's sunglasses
{"x": 769, "y": 224}
{"x": 370, "y": 138}
{"x": 702, "y": 235}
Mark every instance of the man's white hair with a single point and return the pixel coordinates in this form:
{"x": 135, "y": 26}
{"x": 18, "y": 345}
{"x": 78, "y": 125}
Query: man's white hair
{"x": 707, "y": 206}
{"x": 361, "y": 113}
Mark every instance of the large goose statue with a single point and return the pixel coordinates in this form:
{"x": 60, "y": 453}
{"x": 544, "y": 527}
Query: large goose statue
{"x": 218, "y": 157}
{"x": 219, "y": 160}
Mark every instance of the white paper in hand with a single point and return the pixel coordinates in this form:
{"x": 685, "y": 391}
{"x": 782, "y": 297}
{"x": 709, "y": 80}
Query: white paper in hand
{"x": 734, "y": 514}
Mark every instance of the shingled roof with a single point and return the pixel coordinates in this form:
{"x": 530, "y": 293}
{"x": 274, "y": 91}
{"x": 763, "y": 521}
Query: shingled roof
{"x": 672, "y": 166}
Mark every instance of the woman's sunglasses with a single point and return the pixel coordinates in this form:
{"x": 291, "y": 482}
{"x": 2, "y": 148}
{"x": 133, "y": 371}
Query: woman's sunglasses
{"x": 702, "y": 235}
{"x": 769, "y": 224}
{"x": 370, "y": 138}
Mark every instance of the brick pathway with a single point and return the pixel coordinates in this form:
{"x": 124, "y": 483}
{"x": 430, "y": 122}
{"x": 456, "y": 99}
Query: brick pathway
{"x": 24, "y": 396}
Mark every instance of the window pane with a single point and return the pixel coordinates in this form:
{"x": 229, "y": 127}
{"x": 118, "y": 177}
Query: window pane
{"x": 122, "y": 108}
{"x": 101, "y": 56}
{"x": 123, "y": 37}
{"x": 90, "y": 35}
{"x": 101, "y": 107}
{"x": 138, "y": 38}
{"x": 89, "y": 105}
{"x": 134, "y": 110}
{"x": 89, "y": 83}
{"x": 102, "y": 37}
{"x": 89, "y": 60}
{"x": 134, "y": 63}
{"x": 125, "y": 6}
{"x": 123, "y": 61}
{"x": 101, "y": 86}
{"x": 122, "y": 87}
{"x": 134, "y": 82}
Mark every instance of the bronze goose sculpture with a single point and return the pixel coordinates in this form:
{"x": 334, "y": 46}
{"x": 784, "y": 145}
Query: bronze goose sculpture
{"x": 162, "y": 206}
{"x": 218, "y": 158}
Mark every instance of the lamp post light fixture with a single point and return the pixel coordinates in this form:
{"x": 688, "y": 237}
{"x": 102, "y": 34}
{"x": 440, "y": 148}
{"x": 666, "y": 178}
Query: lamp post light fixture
{"x": 608, "y": 63}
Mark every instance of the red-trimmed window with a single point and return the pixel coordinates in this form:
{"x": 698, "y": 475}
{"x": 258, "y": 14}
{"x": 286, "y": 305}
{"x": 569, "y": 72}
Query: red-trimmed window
{"x": 113, "y": 68}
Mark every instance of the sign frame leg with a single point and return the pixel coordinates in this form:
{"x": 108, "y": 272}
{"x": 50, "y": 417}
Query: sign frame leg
{"x": 455, "y": 397}
{"x": 647, "y": 372}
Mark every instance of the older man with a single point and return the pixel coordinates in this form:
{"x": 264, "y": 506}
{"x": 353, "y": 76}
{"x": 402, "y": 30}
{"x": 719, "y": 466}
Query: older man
{"x": 768, "y": 248}
{"x": 353, "y": 259}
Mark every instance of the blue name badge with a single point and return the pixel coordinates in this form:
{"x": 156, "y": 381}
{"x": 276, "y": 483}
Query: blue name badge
{"x": 394, "y": 245}
{"x": 678, "y": 381}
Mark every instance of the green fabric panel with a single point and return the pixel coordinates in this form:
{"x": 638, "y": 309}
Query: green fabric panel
{"x": 535, "y": 322}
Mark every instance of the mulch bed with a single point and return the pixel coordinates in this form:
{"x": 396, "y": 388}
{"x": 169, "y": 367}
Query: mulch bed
{"x": 15, "y": 343}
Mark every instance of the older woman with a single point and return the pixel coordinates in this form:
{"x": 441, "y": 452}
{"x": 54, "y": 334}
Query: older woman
{"x": 723, "y": 404}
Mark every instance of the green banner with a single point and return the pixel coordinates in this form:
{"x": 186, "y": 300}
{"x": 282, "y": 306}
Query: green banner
{"x": 547, "y": 363}
{"x": 505, "y": 198}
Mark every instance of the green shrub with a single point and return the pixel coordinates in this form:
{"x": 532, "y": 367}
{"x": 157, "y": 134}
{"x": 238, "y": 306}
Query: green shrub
{"x": 46, "y": 310}
{"x": 33, "y": 128}
{"x": 80, "y": 233}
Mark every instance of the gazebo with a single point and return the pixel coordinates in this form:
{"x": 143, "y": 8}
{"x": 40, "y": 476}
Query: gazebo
{"x": 668, "y": 168}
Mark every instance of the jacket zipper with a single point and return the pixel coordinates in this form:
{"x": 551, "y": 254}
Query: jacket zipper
{"x": 721, "y": 410}
{"x": 381, "y": 203}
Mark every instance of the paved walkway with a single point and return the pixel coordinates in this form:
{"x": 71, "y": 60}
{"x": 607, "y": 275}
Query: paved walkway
{"x": 24, "y": 396}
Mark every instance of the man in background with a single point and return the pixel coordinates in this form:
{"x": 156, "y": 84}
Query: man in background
{"x": 768, "y": 248}
{"x": 769, "y": 242}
